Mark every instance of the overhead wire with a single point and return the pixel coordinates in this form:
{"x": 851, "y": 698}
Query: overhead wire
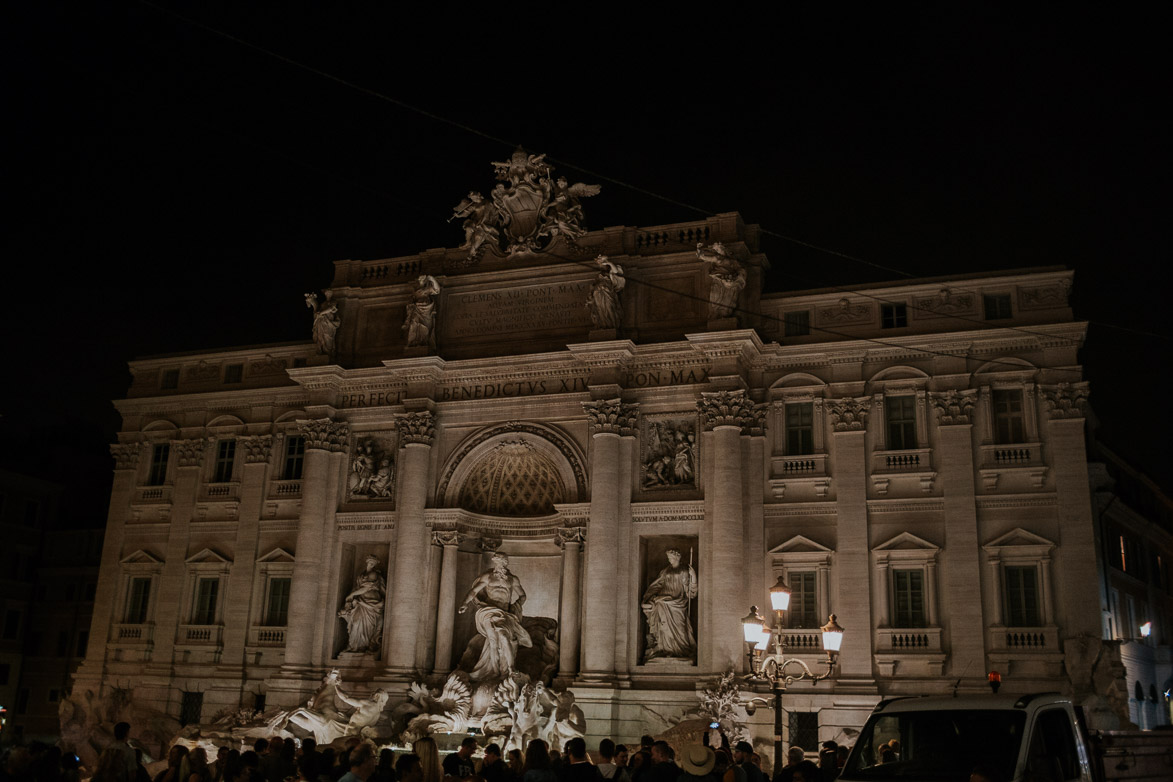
{"x": 632, "y": 187}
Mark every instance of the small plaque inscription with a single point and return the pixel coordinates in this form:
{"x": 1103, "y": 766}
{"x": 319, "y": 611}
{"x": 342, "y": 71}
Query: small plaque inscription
{"x": 527, "y": 308}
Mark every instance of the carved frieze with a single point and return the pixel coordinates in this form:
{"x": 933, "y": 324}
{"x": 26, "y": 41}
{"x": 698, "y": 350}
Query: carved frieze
{"x": 849, "y": 414}
{"x": 1044, "y": 296}
{"x": 566, "y": 535}
{"x": 668, "y": 453}
{"x": 605, "y": 416}
{"x": 946, "y": 303}
{"x": 324, "y": 434}
{"x": 846, "y": 312}
{"x": 372, "y": 468}
{"x": 203, "y": 371}
{"x": 724, "y": 408}
{"x": 418, "y": 427}
{"x": 125, "y": 455}
{"x": 1066, "y": 400}
{"x": 954, "y": 407}
{"x": 189, "y": 453}
{"x": 255, "y": 448}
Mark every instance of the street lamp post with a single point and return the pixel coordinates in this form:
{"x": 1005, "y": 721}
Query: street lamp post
{"x": 775, "y": 667}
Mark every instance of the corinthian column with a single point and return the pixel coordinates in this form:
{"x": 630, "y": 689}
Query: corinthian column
{"x": 723, "y": 414}
{"x": 322, "y": 438}
{"x": 449, "y": 540}
{"x": 849, "y": 419}
{"x": 960, "y": 555}
{"x": 571, "y": 540}
{"x": 416, "y": 432}
{"x": 606, "y": 419}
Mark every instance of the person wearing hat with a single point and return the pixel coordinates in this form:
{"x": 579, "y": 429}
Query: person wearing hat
{"x": 743, "y": 757}
{"x": 696, "y": 764}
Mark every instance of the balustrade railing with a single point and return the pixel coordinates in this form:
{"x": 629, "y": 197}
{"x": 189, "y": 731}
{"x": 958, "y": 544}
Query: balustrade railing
{"x": 1017, "y": 455}
{"x": 913, "y": 460}
{"x": 908, "y": 639}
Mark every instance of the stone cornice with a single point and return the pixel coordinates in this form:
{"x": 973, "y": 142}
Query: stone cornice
{"x": 786, "y": 509}
{"x": 679, "y": 511}
{"x": 1003, "y": 501}
{"x": 220, "y": 400}
{"x": 907, "y": 505}
{"x": 493, "y": 527}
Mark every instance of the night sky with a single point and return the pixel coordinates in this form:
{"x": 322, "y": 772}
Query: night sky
{"x": 177, "y": 188}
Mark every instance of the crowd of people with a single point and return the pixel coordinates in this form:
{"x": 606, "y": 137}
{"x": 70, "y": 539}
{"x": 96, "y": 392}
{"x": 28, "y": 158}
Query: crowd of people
{"x": 282, "y": 760}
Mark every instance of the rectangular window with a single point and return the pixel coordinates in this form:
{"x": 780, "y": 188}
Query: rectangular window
{"x": 138, "y": 601}
{"x": 259, "y": 702}
{"x": 893, "y": 316}
{"x": 1008, "y": 426}
{"x": 803, "y": 608}
{"x": 900, "y": 414}
{"x": 997, "y": 306}
{"x": 190, "y": 708}
{"x": 225, "y": 456}
{"x": 233, "y": 373}
{"x": 11, "y": 624}
{"x": 1022, "y": 597}
{"x": 205, "y": 602}
{"x": 800, "y": 429}
{"x": 170, "y": 379}
{"x": 277, "y": 613}
{"x": 798, "y": 323}
{"x": 159, "y": 456}
{"x": 804, "y": 729}
{"x": 909, "y": 586}
{"x": 294, "y": 457}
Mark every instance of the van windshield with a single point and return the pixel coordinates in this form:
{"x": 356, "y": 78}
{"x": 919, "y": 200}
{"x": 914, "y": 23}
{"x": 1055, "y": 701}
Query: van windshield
{"x": 937, "y": 745}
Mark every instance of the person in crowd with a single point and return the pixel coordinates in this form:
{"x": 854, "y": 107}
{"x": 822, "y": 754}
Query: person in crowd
{"x": 725, "y": 769}
{"x": 429, "y": 755}
{"x": 622, "y": 760}
{"x": 408, "y": 768}
{"x": 177, "y": 769}
{"x": 537, "y": 763}
{"x": 122, "y": 743}
{"x": 806, "y": 771}
{"x": 794, "y": 756}
{"x": 493, "y": 768}
{"x": 743, "y": 757}
{"x": 607, "y": 753}
{"x": 697, "y": 763}
{"x": 577, "y": 767}
{"x": 516, "y": 764}
{"x": 459, "y": 764}
{"x": 385, "y": 770}
{"x": 362, "y": 764}
{"x": 197, "y": 760}
{"x": 111, "y": 766}
{"x": 984, "y": 772}
{"x": 662, "y": 769}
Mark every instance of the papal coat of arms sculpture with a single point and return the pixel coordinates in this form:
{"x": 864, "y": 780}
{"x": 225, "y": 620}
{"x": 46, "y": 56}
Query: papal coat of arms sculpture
{"x": 527, "y": 212}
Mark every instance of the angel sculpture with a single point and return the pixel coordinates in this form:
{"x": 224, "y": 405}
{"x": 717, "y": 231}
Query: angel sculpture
{"x": 563, "y": 211}
{"x": 478, "y": 217}
{"x": 326, "y": 321}
{"x": 604, "y": 299}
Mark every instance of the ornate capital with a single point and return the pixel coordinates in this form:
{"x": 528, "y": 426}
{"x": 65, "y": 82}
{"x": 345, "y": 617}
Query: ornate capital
{"x": 418, "y": 427}
{"x": 189, "y": 453}
{"x": 256, "y": 448}
{"x": 125, "y": 455}
{"x": 1065, "y": 400}
{"x": 606, "y": 416}
{"x": 849, "y": 414}
{"x": 954, "y": 407}
{"x": 566, "y": 535}
{"x": 446, "y": 537}
{"x": 724, "y": 408}
{"x": 628, "y": 418}
{"x": 756, "y": 425}
{"x": 324, "y": 435}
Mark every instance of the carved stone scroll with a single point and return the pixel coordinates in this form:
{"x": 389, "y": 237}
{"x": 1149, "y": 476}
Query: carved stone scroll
{"x": 605, "y": 416}
{"x": 189, "y": 453}
{"x": 566, "y": 535}
{"x": 954, "y": 407}
{"x": 125, "y": 455}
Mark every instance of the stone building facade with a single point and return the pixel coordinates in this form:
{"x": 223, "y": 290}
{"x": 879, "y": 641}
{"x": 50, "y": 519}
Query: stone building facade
{"x": 909, "y": 456}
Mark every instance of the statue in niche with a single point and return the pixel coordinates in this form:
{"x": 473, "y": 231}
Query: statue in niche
{"x": 372, "y": 470}
{"x": 326, "y": 321}
{"x": 498, "y": 597}
{"x": 421, "y": 313}
{"x": 670, "y": 458}
{"x": 667, "y": 605}
{"x": 727, "y": 278}
{"x": 603, "y": 303}
{"x": 363, "y": 609}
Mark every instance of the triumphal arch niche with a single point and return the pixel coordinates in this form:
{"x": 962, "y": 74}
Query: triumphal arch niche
{"x": 529, "y": 486}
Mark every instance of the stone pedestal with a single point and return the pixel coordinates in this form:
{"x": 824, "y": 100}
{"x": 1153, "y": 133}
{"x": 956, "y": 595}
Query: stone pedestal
{"x": 602, "y": 335}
